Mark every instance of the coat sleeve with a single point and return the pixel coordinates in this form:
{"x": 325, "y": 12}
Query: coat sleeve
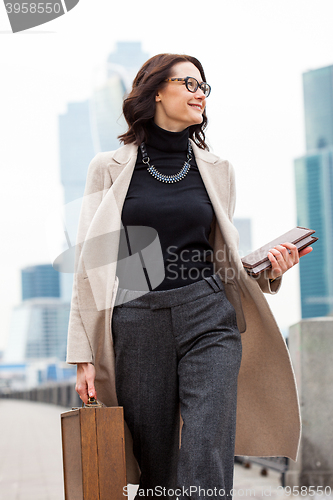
{"x": 97, "y": 183}
{"x": 264, "y": 283}
{"x": 78, "y": 347}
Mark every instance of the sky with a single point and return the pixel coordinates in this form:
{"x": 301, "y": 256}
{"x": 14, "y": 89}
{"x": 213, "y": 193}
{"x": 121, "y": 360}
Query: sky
{"x": 254, "y": 53}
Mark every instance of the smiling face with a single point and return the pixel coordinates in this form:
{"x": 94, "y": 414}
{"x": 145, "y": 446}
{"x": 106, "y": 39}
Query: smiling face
{"x": 176, "y": 107}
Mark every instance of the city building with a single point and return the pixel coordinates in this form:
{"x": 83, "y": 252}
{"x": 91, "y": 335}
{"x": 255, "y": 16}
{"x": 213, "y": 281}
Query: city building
{"x": 318, "y": 107}
{"x": 39, "y": 324}
{"x": 314, "y": 192}
{"x": 128, "y": 55}
{"x": 40, "y": 281}
{"x": 38, "y": 329}
{"x": 75, "y": 148}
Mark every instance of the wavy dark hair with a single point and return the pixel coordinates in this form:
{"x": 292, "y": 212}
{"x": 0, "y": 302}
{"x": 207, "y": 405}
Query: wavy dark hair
{"x": 139, "y": 105}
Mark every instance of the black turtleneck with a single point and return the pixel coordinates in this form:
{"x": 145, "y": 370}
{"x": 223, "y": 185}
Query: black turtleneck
{"x": 180, "y": 212}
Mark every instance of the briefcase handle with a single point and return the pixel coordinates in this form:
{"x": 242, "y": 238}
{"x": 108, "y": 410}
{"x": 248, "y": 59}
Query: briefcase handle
{"x": 93, "y": 403}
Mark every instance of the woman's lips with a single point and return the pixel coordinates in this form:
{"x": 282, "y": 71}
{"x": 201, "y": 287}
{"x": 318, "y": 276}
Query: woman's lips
{"x": 197, "y": 106}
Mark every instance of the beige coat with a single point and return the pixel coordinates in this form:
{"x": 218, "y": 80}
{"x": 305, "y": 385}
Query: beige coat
{"x": 268, "y": 416}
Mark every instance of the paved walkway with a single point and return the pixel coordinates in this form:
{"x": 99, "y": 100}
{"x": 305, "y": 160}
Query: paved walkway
{"x": 30, "y": 451}
{"x": 31, "y": 458}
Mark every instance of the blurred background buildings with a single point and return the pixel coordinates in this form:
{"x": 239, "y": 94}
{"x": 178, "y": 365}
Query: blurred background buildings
{"x": 314, "y": 192}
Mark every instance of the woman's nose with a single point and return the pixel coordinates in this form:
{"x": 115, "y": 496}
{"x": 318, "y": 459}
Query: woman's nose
{"x": 199, "y": 94}
{"x": 202, "y": 98}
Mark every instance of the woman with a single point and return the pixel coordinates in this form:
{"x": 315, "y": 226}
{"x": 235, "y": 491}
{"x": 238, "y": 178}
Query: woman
{"x": 175, "y": 348}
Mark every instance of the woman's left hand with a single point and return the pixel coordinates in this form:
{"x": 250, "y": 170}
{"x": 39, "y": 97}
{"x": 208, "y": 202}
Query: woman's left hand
{"x": 283, "y": 257}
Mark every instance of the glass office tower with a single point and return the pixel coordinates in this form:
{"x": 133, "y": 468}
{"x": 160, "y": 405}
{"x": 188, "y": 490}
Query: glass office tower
{"x": 38, "y": 330}
{"x": 314, "y": 192}
{"x": 318, "y": 107}
{"x": 39, "y": 324}
{"x": 40, "y": 281}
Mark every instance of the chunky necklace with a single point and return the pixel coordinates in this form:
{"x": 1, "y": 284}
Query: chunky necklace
{"x": 169, "y": 179}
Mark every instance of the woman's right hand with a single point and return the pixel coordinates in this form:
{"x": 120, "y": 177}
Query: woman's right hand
{"x": 85, "y": 379}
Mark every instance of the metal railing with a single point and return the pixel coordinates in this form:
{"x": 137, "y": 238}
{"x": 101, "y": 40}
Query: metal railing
{"x": 61, "y": 394}
{"x": 279, "y": 464}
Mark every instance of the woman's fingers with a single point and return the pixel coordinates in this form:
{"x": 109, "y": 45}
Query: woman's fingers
{"x": 81, "y": 389}
{"x": 292, "y": 252}
{"x": 275, "y": 272}
{"x": 305, "y": 251}
{"x": 282, "y": 258}
{"x": 91, "y": 386}
{"x": 85, "y": 381}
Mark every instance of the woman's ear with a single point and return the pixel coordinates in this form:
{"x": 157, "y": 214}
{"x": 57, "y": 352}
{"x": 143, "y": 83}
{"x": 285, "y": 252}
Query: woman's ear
{"x": 157, "y": 97}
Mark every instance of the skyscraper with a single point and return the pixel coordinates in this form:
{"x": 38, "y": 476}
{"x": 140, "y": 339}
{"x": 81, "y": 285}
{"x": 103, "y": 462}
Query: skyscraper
{"x": 75, "y": 147}
{"x": 318, "y": 107}
{"x": 114, "y": 81}
{"x": 128, "y": 55}
{"x": 38, "y": 329}
{"x": 40, "y": 281}
{"x": 38, "y": 326}
{"x": 314, "y": 192}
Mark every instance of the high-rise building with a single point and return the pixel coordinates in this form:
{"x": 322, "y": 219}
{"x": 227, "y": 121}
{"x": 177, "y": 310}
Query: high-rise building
{"x": 38, "y": 329}
{"x": 40, "y": 281}
{"x": 314, "y": 192}
{"x": 129, "y": 56}
{"x": 75, "y": 148}
{"x": 318, "y": 107}
{"x": 112, "y": 81}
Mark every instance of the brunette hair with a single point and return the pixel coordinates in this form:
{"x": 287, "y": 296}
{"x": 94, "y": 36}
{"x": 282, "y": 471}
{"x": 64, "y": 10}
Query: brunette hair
{"x": 139, "y": 105}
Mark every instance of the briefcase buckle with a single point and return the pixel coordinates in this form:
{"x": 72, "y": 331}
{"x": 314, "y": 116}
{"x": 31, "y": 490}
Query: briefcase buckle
{"x": 92, "y": 403}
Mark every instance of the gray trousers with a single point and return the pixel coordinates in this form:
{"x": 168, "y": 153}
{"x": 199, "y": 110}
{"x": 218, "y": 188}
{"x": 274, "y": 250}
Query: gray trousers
{"x": 180, "y": 349}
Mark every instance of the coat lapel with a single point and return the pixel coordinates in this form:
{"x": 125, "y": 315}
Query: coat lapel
{"x": 105, "y": 229}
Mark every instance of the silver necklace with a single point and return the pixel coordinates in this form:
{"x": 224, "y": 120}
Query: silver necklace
{"x": 169, "y": 179}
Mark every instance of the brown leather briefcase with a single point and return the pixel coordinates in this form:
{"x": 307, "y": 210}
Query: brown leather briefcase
{"x": 93, "y": 448}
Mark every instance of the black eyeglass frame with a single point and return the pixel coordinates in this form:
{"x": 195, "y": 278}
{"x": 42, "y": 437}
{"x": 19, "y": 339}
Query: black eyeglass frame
{"x": 186, "y": 79}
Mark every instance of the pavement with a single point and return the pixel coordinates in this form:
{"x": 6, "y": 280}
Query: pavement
{"x": 31, "y": 459}
{"x": 30, "y": 451}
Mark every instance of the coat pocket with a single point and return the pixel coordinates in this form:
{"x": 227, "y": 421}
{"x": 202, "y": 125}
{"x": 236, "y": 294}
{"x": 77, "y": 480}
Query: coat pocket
{"x": 233, "y": 295}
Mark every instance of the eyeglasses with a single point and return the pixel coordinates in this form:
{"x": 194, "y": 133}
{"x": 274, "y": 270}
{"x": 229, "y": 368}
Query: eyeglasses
{"x": 192, "y": 84}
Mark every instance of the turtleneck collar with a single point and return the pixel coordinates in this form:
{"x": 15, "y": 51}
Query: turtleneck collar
{"x": 164, "y": 140}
